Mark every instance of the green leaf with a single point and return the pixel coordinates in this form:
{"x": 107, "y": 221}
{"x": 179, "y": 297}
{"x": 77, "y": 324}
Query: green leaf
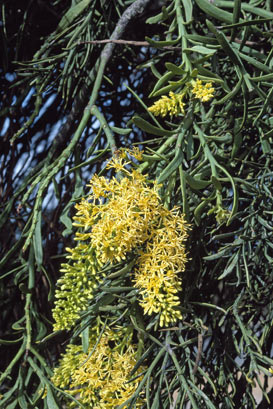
{"x": 164, "y": 15}
{"x": 195, "y": 183}
{"x": 222, "y": 40}
{"x": 16, "y": 325}
{"x": 71, "y": 15}
{"x": 161, "y": 44}
{"x": 259, "y": 11}
{"x": 232, "y": 93}
{"x": 50, "y": 399}
{"x": 245, "y": 23}
{"x": 121, "y": 131}
{"x": 147, "y": 127}
{"x": 85, "y": 339}
{"x": 163, "y": 79}
{"x": 22, "y": 402}
{"x": 232, "y": 263}
{"x": 213, "y": 11}
{"x": 171, "y": 87}
{"x": 199, "y": 210}
{"x": 174, "y": 69}
{"x": 12, "y": 405}
{"x": 51, "y": 292}
{"x": 200, "y": 49}
{"x": 216, "y": 182}
{"x": 41, "y": 330}
{"x": 215, "y": 256}
{"x": 65, "y": 219}
{"x": 187, "y": 4}
{"x": 195, "y": 38}
{"x": 171, "y": 168}
{"x": 56, "y": 189}
{"x": 37, "y": 242}
{"x": 7, "y": 342}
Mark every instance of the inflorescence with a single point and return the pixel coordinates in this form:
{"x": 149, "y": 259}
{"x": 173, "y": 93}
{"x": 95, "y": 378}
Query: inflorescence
{"x": 174, "y": 104}
{"x": 123, "y": 218}
{"x": 99, "y": 378}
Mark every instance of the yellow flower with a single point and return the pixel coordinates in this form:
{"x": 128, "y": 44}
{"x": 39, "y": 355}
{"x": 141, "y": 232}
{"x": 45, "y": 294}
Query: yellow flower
{"x": 122, "y": 217}
{"x": 101, "y": 376}
{"x": 160, "y": 265}
{"x": 135, "y": 152}
{"x": 172, "y": 105}
{"x": 122, "y": 223}
{"x": 202, "y": 92}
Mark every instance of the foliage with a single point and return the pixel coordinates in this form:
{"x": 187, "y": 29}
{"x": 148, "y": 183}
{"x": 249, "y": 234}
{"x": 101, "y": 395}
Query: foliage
{"x": 197, "y": 98}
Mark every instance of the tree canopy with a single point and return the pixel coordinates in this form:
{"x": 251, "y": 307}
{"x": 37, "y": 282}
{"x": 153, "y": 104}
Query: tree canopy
{"x": 136, "y": 204}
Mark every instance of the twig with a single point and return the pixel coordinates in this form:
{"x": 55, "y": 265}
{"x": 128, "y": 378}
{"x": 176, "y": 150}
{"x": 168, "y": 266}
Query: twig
{"x": 199, "y": 353}
{"x": 128, "y": 42}
{"x": 147, "y": 44}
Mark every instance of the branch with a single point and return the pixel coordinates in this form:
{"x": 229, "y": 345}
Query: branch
{"x": 131, "y": 12}
{"x": 146, "y": 44}
{"x": 129, "y": 42}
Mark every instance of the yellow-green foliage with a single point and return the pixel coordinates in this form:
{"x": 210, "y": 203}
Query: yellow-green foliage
{"x": 124, "y": 217}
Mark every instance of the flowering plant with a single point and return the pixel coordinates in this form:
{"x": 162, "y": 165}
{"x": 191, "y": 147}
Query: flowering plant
{"x": 123, "y": 219}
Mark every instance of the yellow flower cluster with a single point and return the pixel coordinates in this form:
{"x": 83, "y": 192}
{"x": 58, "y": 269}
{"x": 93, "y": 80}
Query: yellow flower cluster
{"x": 76, "y": 286}
{"x": 202, "y": 92}
{"x": 174, "y": 105}
{"x": 99, "y": 378}
{"x": 123, "y": 218}
{"x": 118, "y": 213}
{"x": 159, "y": 265}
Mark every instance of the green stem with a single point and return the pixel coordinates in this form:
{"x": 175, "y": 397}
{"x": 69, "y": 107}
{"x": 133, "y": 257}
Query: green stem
{"x": 29, "y": 122}
{"x": 211, "y": 160}
{"x": 162, "y": 149}
{"x": 185, "y": 204}
{"x": 182, "y": 33}
{"x": 28, "y": 321}
{"x": 13, "y": 362}
{"x": 109, "y": 134}
{"x": 42, "y": 360}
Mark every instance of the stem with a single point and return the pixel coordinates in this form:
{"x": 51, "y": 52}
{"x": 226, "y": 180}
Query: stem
{"x": 211, "y": 159}
{"x": 182, "y": 32}
{"x": 13, "y": 362}
{"x": 162, "y": 149}
{"x": 128, "y": 42}
{"x": 28, "y": 321}
{"x": 109, "y": 134}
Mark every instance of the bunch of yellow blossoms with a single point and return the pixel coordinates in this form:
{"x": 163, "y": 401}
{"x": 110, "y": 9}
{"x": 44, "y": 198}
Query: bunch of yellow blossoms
{"x": 99, "y": 378}
{"x": 123, "y": 218}
{"x": 174, "y": 104}
{"x": 202, "y": 92}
